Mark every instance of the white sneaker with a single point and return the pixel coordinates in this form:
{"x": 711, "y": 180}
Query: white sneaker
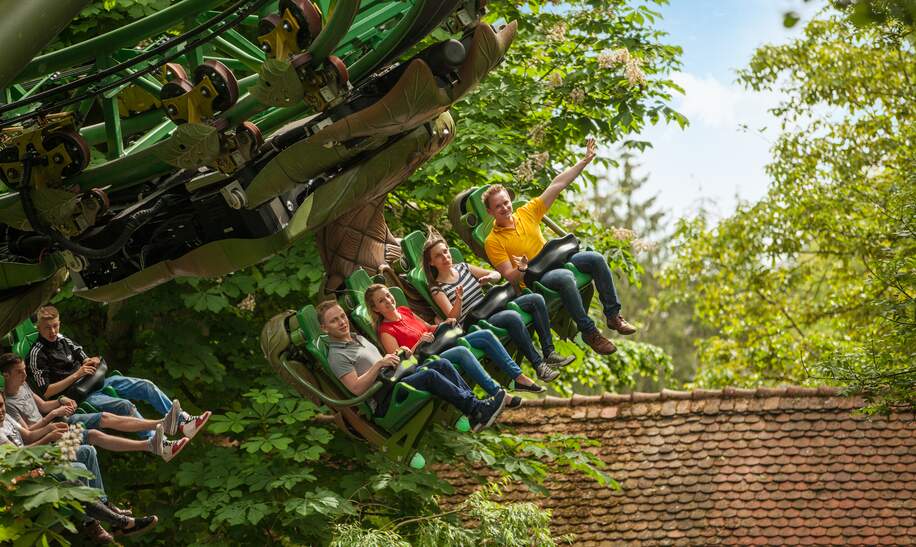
{"x": 170, "y": 449}
{"x": 194, "y": 424}
{"x": 165, "y": 448}
{"x": 170, "y": 420}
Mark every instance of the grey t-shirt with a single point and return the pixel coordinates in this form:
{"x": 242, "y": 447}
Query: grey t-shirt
{"x": 356, "y": 356}
{"x": 9, "y": 432}
{"x": 21, "y": 406}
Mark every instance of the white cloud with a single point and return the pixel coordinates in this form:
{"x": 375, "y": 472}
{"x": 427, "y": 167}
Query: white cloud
{"x": 716, "y": 104}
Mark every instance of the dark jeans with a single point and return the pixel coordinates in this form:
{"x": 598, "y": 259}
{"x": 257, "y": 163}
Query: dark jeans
{"x": 564, "y": 282}
{"x": 510, "y": 320}
{"x": 441, "y": 379}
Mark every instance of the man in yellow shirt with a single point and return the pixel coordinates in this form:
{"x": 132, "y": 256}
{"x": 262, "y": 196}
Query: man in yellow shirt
{"x": 516, "y": 238}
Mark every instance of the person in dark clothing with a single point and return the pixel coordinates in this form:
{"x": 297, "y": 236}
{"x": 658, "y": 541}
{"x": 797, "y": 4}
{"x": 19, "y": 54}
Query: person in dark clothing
{"x": 55, "y": 363}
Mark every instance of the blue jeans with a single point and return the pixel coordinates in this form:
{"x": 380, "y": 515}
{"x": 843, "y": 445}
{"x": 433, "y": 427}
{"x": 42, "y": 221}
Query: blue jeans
{"x": 462, "y": 358}
{"x": 130, "y": 389}
{"x": 86, "y": 458}
{"x": 510, "y": 320}
{"x": 441, "y": 379}
{"x": 564, "y": 282}
{"x": 487, "y": 342}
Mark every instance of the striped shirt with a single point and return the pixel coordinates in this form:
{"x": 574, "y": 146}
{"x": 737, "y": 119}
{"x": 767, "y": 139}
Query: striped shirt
{"x": 51, "y": 362}
{"x": 473, "y": 293}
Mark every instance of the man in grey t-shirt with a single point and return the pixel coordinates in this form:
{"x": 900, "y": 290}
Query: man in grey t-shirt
{"x": 357, "y": 363}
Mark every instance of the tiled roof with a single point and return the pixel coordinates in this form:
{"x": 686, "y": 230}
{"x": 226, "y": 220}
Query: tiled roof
{"x": 788, "y": 466}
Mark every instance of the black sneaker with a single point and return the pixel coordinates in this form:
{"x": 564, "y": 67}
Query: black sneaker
{"x": 531, "y": 388}
{"x": 555, "y": 360}
{"x": 489, "y": 410}
{"x": 545, "y": 373}
{"x": 513, "y": 402}
{"x": 141, "y": 524}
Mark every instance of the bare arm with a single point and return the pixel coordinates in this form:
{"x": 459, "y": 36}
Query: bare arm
{"x": 512, "y": 274}
{"x": 450, "y": 309}
{"x": 45, "y": 406}
{"x": 62, "y": 385}
{"x": 44, "y": 435}
{"x": 49, "y": 415}
{"x": 358, "y": 384}
{"x": 483, "y": 275}
{"x": 565, "y": 178}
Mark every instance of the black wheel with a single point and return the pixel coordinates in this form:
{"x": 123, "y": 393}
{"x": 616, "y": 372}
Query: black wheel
{"x": 76, "y": 148}
{"x": 265, "y": 26}
{"x": 175, "y": 88}
{"x": 227, "y": 87}
{"x": 308, "y": 17}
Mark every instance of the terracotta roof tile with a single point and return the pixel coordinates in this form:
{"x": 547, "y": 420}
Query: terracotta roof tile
{"x": 771, "y": 466}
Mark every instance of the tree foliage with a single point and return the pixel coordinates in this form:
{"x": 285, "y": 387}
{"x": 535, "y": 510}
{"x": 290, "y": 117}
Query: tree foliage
{"x": 816, "y": 282}
{"x": 40, "y": 498}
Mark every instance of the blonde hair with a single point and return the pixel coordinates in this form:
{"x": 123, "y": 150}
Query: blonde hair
{"x": 47, "y": 313}
{"x": 492, "y": 191}
{"x": 434, "y": 238}
{"x": 374, "y": 315}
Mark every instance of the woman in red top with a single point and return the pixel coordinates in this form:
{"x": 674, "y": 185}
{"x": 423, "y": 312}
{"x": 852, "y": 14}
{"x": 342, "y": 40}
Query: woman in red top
{"x": 398, "y": 327}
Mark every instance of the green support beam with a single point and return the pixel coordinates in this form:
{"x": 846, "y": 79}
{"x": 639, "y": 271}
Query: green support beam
{"x": 85, "y": 52}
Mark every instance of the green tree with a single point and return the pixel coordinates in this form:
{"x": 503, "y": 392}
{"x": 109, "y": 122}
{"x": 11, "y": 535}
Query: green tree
{"x": 620, "y": 206}
{"x": 816, "y": 282}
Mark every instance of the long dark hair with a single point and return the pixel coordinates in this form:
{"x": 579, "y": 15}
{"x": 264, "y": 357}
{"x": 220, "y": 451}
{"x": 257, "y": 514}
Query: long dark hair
{"x": 434, "y": 238}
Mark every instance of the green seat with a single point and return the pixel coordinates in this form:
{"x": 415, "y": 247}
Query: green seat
{"x": 355, "y": 303}
{"x": 24, "y": 337}
{"x": 405, "y": 399}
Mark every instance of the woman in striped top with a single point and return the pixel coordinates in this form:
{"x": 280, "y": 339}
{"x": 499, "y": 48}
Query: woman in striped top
{"x": 456, "y": 290}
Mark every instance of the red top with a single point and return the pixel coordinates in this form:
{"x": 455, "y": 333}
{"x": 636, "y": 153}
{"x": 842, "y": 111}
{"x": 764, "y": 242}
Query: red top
{"x": 406, "y": 331}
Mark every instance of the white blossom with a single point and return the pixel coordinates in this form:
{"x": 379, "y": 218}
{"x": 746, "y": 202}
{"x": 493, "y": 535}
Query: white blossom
{"x": 524, "y": 172}
{"x": 540, "y": 160}
{"x": 623, "y": 234}
{"x": 633, "y": 72}
{"x": 577, "y": 95}
{"x": 537, "y": 133}
{"x": 247, "y": 304}
{"x": 641, "y": 245}
{"x": 555, "y": 80}
{"x": 557, "y": 33}
{"x": 71, "y": 441}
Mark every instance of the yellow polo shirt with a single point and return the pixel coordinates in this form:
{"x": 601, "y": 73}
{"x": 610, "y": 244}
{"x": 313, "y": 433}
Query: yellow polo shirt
{"x": 525, "y": 239}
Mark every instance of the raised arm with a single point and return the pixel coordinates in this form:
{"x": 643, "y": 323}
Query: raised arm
{"x": 565, "y": 178}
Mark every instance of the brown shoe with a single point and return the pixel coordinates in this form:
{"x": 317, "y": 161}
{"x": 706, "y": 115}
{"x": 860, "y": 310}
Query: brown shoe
{"x": 620, "y": 325}
{"x": 94, "y": 532}
{"x": 599, "y": 343}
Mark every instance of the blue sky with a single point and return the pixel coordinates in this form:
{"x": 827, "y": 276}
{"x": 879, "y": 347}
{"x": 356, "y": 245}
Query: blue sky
{"x": 714, "y": 163}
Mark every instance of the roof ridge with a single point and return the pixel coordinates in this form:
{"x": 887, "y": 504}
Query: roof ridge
{"x": 610, "y": 399}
